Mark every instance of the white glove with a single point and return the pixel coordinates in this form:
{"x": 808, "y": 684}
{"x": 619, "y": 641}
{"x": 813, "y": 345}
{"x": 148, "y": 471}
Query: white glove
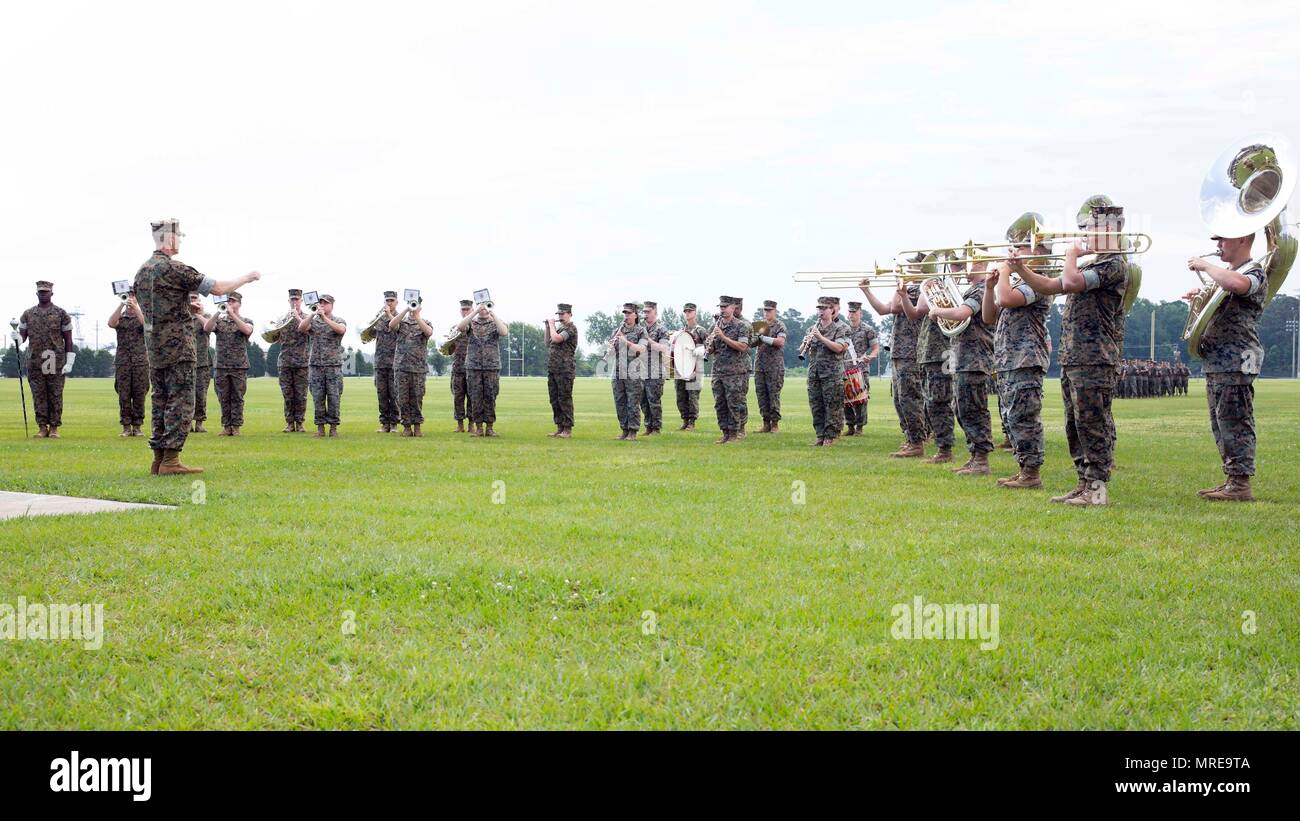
{"x": 18, "y": 340}
{"x": 67, "y": 366}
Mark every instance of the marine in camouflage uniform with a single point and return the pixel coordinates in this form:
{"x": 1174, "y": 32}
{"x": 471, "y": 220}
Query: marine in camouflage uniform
{"x": 1231, "y": 358}
{"x": 291, "y": 366}
{"x": 47, "y": 329}
{"x": 202, "y": 362}
{"x": 561, "y": 368}
{"x": 652, "y": 393}
{"x": 386, "y": 369}
{"x": 411, "y": 367}
{"x": 907, "y": 381}
{"x": 627, "y": 350}
{"x": 1021, "y": 358}
{"x": 325, "y": 367}
{"x": 933, "y": 354}
{"x": 460, "y": 349}
{"x": 730, "y": 378}
{"x": 973, "y": 358}
{"x": 163, "y": 286}
{"x": 483, "y": 369}
{"x": 769, "y": 369}
{"x": 865, "y": 343}
{"x": 130, "y": 366}
{"x": 826, "y": 372}
{"x": 231, "y": 375}
{"x": 688, "y": 390}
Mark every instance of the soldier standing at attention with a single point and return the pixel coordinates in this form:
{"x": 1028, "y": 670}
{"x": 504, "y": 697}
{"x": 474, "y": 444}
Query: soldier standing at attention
{"x": 410, "y": 365}
{"x": 769, "y": 369}
{"x": 728, "y": 342}
{"x": 826, "y": 371}
{"x": 909, "y": 401}
{"x": 627, "y": 347}
{"x": 657, "y": 350}
{"x": 561, "y": 367}
{"x": 50, "y": 353}
{"x": 688, "y": 390}
{"x": 163, "y": 287}
{"x": 130, "y": 365}
{"x": 202, "y": 363}
{"x": 386, "y": 334}
{"x": 459, "y": 350}
{"x": 325, "y": 364}
{"x": 232, "y": 332}
{"x": 933, "y": 350}
{"x": 865, "y": 342}
{"x": 295, "y": 348}
{"x": 1231, "y": 358}
{"x": 483, "y": 367}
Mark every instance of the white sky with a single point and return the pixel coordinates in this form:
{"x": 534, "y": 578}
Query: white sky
{"x": 599, "y": 152}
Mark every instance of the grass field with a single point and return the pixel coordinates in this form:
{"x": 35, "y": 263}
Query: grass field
{"x": 532, "y": 612}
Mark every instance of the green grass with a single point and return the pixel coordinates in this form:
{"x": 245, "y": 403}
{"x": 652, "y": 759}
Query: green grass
{"x": 229, "y": 614}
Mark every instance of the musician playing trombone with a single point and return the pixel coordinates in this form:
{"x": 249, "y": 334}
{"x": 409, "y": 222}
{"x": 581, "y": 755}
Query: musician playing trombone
{"x": 1092, "y": 340}
{"x": 933, "y": 355}
{"x": 972, "y": 360}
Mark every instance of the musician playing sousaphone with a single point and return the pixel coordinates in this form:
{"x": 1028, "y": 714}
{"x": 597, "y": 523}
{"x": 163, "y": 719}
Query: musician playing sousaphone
{"x": 973, "y": 363}
{"x": 688, "y": 386}
{"x": 824, "y": 347}
{"x": 864, "y": 347}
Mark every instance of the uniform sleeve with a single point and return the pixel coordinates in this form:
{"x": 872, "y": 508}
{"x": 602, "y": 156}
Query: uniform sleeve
{"x": 1107, "y": 274}
{"x": 22, "y": 320}
{"x": 340, "y": 320}
{"x": 66, "y": 325}
{"x": 1031, "y": 296}
{"x": 192, "y": 280}
{"x": 1257, "y": 279}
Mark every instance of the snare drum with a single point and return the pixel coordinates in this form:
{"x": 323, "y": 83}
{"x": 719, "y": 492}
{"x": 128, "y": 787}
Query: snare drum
{"x": 855, "y": 386}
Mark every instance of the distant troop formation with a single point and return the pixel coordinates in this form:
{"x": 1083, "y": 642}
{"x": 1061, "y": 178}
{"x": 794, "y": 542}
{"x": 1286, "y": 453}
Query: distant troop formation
{"x": 1140, "y": 378}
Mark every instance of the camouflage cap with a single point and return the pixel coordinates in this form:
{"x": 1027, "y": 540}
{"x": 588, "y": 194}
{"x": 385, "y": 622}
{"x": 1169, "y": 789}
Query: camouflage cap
{"x": 1022, "y": 230}
{"x": 769, "y": 303}
{"x": 1085, "y": 210}
{"x": 390, "y": 295}
{"x": 235, "y": 295}
{"x": 855, "y": 306}
{"x": 327, "y": 298}
{"x": 295, "y": 292}
{"x": 727, "y": 300}
{"x": 467, "y": 303}
{"x": 690, "y": 306}
{"x": 650, "y": 304}
{"x": 632, "y": 307}
{"x": 828, "y": 301}
{"x": 44, "y": 285}
{"x": 170, "y": 225}
{"x": 564, "y": 308}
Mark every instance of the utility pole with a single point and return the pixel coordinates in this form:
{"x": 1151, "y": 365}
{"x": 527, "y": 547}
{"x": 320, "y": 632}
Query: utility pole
{"x": 1153, "y": 333}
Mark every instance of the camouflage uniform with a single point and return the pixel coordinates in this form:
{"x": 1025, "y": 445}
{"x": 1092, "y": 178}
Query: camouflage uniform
{"x": 688, "y": 390}
{"x": 561, "y": 368}
{"x": 45, "y": 325}
{"x": 483, "y": 370}
{"x": 863, "y": 338}
{"x": 232, "y": 370}
{"x": 325, "y": 370}
{"x": 390, "y": 411}
{"x": 1092, "y": 338}
{"x": 933, "y": 350}
{"x": 909, "y": 399}
{"x": 202, "y": 367}
{"x": 1231, "y": 357}
{"x": 295, "y": 350}
{"x": 629, "y": 379}
{"x": 130, "y": 370}
{"x": 973, "y": 349}
{"x": 730, "y": 378}
{"x": 769, "y": 374}
{"x": 411, "y": 368}
{"x": 652, "y": 393}
{"x": 162, "y": 287}
{"x": 1020, "y": 355}
{"x": 826, "y": 382}
{"x": 460, "y": 348}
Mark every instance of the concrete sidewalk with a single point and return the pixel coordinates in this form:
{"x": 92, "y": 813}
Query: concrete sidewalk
{"x": 17, "y": 505}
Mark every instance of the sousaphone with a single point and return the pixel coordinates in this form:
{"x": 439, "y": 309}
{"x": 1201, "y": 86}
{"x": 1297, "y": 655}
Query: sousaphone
{"x": 1247, "y": 189}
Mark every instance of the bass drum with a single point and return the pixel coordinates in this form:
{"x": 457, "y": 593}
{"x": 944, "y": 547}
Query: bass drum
{"x": 684, "y": 362}
{"x": 855, "y": 386}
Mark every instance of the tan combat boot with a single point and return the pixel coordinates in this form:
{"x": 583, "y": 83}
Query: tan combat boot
{"x": 198, "y": 428}
{"x": 489, "y": 431}
{"x": 726, "y": 437}
{"x": 460, "y": 425}
{"x": 965, "y": 468}
{"x": 829, "y": 442}
{"x": 1079, "y": 488}
{"x": 944, "y": 455}
{"x": 334, "y": 430}
{"x": 53, "y": 432}
{"x": 565, "y": 433}
{"x": 1006, "y": 444}
{"x": 1027, "y": 480}
{"x": 171, "y": 464}
{"x": 234, "y": 431}
{"x": 384, "y": 427}
{"x": 1237, "y": 489}
{"x": 690, "y": 425}
{"x": 1207, "y": 491}
{"x": 631, "y": 436}
{"x": 979, "y": 465}
{"x": 126, "y": 431}
{"x": 157, "y": 460}
{"x": 1013, "y": 477}
{"x": 406, "y": 430}
{"x": 776, "y": 426}
{"x": 135, "y": 431}
{"x": 288, "y": 427}
{"x": 1094, "y": 493}
{"x": 416, "y": 431}
{"x": 225, "y": 431}
{"x": 320, "y": 432}
{"x": 911, "y": 450}
{"x": 767, "y": 427}
{"x": 555, "y": 433}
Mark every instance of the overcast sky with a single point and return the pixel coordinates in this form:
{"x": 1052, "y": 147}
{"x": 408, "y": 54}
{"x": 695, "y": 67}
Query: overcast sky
{"x": 600, "y": 152}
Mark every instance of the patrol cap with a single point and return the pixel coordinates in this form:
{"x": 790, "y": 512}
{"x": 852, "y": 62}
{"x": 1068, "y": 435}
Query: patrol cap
{"x": 727, "y": 300}
{"x": 564, "y": 308}
{"x": 828, "y": 301}
{"x": 295, "y": 292}
{"x": 327, "y": 298}
{"x": 855, "y": 306}
{"x": 690, "y": 306}
{"x": 44, "y": 285}
{"x": 170, "y": 225}
{"x": 390, "y": 295}
{"x": 631, "y": 307}
{"x": 650, "y": 304}
{"x": 235, "y": 295}
{"x": 1085, "y": 210}
{"x": 769, "y": 303}
{"x": 467, "y": 303}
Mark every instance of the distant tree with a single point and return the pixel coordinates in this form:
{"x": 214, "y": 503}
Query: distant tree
{"x": 365, "y": 366}
{"x": 671, "y": 319}
{"x": 85, "y": 363}
{"x": 600, "y": 327}
{"x": 525, "y": 340}
{"x": 438, "y": 363}
{"x": 273, "y": 359}
{"x": 256, "y": 360}
{"x": 104, "y": 365}
{"x": 9, "y": 362}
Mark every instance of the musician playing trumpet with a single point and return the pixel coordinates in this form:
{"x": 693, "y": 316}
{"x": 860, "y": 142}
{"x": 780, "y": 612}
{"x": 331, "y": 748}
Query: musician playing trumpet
{"x": 826, "y": 371}
{"x": 410, "y": 365}
{"x": 483, "y": 367}
{"x": 291, "y": 366}
{"x": 387, "y": 330}
{"x": 130, "y": 364}
{"x": 627, "y": 347}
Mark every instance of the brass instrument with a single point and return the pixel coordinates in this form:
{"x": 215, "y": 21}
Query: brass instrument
{"x": 368, "y": 333}
{"x": 448, "y": 346}
{"x": 1246, "y": 189}
{"x": 272, "y": 333}
{"x": 757, "y": 329}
